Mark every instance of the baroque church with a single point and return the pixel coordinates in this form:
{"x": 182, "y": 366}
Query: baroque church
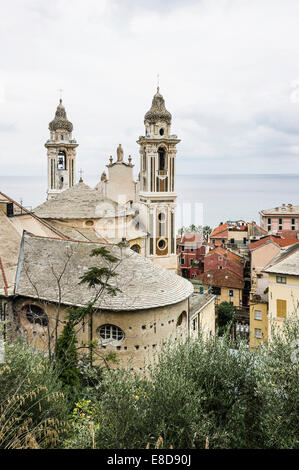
{"x": 45, "y": 252}
{"x": 141, "y": 213}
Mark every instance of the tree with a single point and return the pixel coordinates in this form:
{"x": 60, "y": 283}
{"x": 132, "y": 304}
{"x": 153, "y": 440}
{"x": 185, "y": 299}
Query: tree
{"x": 206, "y": 232}
{"x": 201, "y": 391}
{"x": 97, "y": 278}
{"x": 66, "y": 356}
{"x": 191, "y": 229}
{"x": 226, "y": 314}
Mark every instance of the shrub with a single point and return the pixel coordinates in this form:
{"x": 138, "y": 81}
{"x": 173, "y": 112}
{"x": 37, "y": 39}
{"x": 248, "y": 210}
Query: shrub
{"x": 32, "y": 405}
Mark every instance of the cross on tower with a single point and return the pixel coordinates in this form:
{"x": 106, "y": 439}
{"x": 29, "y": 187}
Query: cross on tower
{"x": 60, "y": 93}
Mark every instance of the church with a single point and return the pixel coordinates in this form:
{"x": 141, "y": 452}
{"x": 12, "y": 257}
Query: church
{"x": 141, "y": 213}
{"x": 50, "y": 249}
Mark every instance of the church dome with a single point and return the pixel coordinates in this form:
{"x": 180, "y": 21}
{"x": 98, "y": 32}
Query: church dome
{"x": 158, "y": 112}
{"x": 60, "y": 121}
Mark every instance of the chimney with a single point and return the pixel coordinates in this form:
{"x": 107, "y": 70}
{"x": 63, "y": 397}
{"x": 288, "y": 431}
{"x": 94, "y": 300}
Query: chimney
{"x": 9, "y": 209}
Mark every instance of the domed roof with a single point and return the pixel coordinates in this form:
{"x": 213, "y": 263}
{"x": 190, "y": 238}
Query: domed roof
{"x": 158, "y": 112}
{"x": 60, "y": 121}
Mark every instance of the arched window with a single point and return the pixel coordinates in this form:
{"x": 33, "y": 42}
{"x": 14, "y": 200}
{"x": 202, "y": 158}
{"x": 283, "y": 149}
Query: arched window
{"x": 162, "y": 158}
{"x": 35, "y": 315}
{"x": 111, "y": 334}
{"x": 182, "y": 318}
{"x": 61, "y": 162}
{"x": 136, "y": 248}
{"x": 161, "y": 131}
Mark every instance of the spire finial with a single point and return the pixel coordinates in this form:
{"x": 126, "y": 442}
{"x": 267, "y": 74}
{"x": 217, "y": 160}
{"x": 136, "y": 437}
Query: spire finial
{"x": 60, "y": 95}
{"x": 158, "y": 83}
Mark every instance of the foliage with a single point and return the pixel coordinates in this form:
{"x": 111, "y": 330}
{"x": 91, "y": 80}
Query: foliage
{"x": 66, "y": 356}
{"x": 33, "y": 408}
{"x": 202, "y": 392}
{"x": 225, "y": 313}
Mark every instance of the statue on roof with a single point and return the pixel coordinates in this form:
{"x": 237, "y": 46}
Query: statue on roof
{"x": 120, "y": 153}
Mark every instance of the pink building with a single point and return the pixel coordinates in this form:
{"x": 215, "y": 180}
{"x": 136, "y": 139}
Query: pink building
{"x": 284, "y": 218}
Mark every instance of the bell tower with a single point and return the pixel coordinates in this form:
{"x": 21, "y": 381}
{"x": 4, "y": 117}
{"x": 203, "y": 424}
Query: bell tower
{"x": 157, "y": 184}
{"x": 61, "y": 154}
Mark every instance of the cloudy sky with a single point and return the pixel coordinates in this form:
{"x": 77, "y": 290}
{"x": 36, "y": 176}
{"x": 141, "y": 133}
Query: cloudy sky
{"x": 229, "y": 72}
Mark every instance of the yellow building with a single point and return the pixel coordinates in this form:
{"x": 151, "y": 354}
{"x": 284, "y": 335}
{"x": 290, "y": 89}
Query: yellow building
{"x": 283, "y": 272}
{"x": 202, "y": 316}
{"x": 224, "y": 284}
{"x": 258, "y": 321}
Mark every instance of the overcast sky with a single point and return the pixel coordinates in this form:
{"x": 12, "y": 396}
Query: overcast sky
{"x": 229, "y": 73}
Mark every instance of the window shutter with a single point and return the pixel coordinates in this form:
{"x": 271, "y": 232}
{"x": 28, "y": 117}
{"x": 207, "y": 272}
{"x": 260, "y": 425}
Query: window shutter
{"x": 281, "y": 308}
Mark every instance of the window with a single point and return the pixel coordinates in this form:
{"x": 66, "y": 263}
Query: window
{"x": 231, "y": 292}
{"x": 111, "y": 333}
{"x": 269, "y": 228}
{"x": 257, "y": 315}
{"x": 193, "y": 276}
{"x": 191, "y": 249}
{"x": 280, "y": 221}
{"x": 183, "y": 248}
{"x": 35, "y": 315}
{"x": 258, "y": 332}
{"x": 182, "y": 260}
{"x": 161, "y": 217}
{"x": 269, "y": 221}
{"x": 232, "y": 240}
{"x": 219, "y": 267}
{"x": 281, "y": 308}
{"x": 191, "y": 261}
{"x": 216, "y": 290}
{"x": 162, "y": 161}
{"x": 161, "y": 131}
{"x": 281, "y": 279}
{"x": 182, "y": 318}
{"x": 220, "y": 258}
{"x": 161, "y": 244}
{"x": 61, "y": 161}
{"x": 201, "y": 291}
{"x": 214, "y": 241}
{"x": 194, "y": 324}
{"x": 136, "y": 248}
{"x": 89, "y": 223}
{"x": 293, "y": 224}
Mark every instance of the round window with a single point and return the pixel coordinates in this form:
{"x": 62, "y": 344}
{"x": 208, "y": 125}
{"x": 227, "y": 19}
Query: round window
{"x": 161, "y": 217}
{"x": 111, "y": 334}
{"x": 89, "y": 223}
{"x": 161, "y": 244}
{"x": 161, "y": 131}
{"x": 35, "y": 315}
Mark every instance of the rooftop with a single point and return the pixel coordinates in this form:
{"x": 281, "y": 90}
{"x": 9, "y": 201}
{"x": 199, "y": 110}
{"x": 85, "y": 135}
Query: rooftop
{"x": 143, "y": 284}
{"x": 286, "y": 262}
{"x": 80, "y": 202}
{"x": 284, "y": 209}
{"x": 221, "y": 278}
{"x": 272, "y": 239}
{"x": 197, "y": 301}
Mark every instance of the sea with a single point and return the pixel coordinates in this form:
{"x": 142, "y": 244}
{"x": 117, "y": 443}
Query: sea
{"x": 202, "y": 199}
